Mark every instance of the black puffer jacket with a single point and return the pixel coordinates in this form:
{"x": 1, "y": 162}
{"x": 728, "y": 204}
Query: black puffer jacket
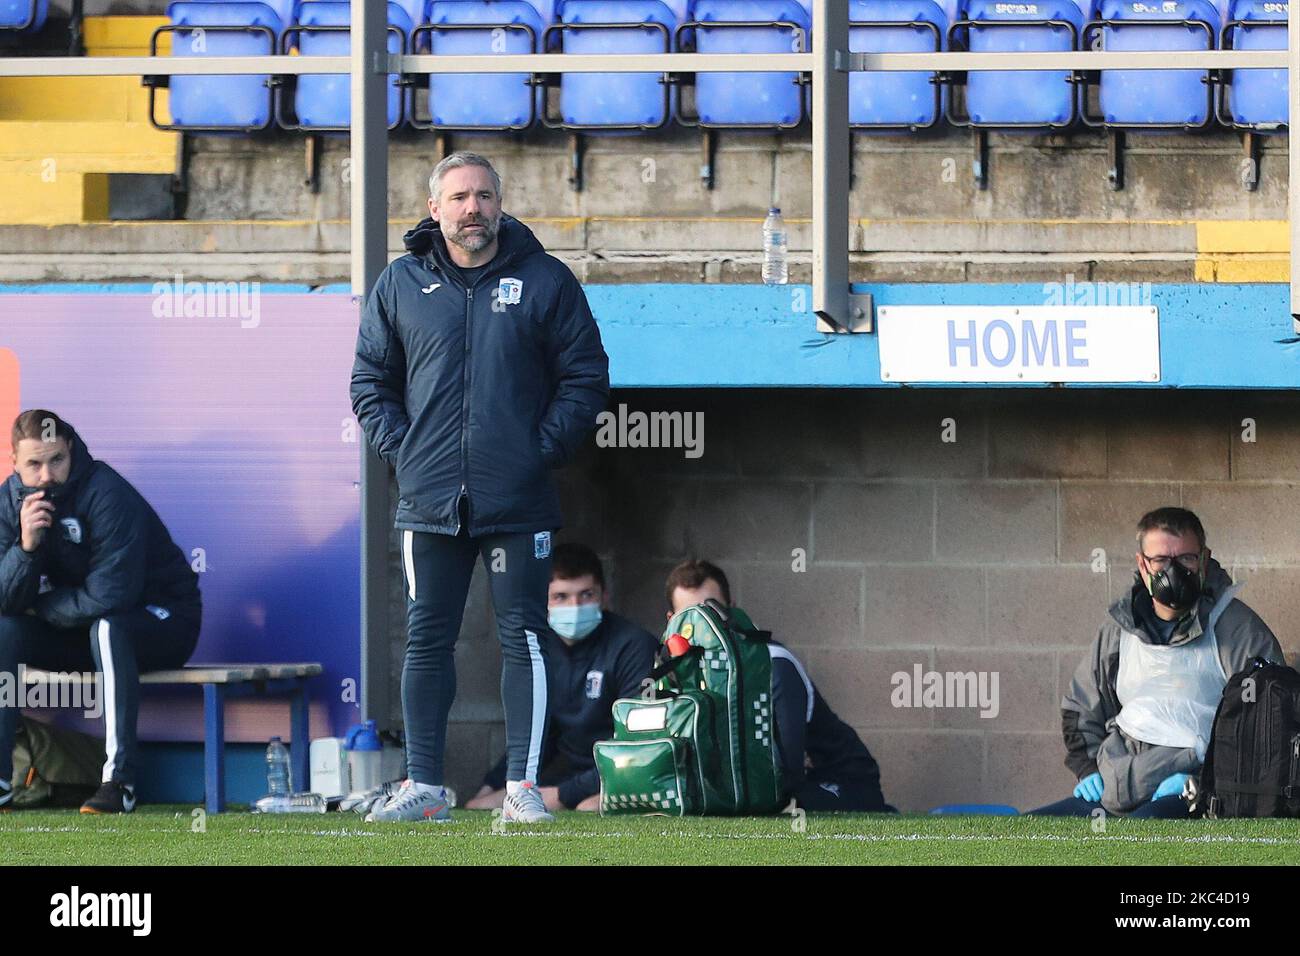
{"x": 478, "y": 392}
{"x": 107, "y": 551}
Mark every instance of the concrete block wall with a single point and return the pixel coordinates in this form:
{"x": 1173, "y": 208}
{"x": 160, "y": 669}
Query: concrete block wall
{"x": 645, "y": 216}
{"x": 973, "y": 555}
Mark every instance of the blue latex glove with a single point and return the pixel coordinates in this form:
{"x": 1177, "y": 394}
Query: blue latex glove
{"x": 1171, "y": 785}
{"x": 1089, "y": 788}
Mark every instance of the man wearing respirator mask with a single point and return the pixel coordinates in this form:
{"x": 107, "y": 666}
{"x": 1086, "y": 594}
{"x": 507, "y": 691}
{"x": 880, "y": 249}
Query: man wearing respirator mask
{"x": 593, "y": 657}
{"x": 1138, "y": 713}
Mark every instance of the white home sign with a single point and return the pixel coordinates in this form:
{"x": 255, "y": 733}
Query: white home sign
{"x": 988, "y": 343}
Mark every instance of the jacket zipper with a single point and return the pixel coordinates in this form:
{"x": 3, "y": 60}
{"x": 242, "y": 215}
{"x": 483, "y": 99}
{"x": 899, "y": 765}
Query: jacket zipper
{"x": 464, "y": 398}
{"x": 464, "y": 415}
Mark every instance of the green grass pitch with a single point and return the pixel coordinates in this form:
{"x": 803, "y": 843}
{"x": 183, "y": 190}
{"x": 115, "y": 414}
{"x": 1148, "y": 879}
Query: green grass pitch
{"x": 171, "y": 834}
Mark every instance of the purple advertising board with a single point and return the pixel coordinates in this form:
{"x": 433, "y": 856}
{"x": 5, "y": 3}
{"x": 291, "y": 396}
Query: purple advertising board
{"x": 228, "y": 409}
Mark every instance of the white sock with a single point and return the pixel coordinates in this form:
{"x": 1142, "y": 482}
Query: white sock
{"x": 512, "y": 787}
{"x": 427, "y": 787}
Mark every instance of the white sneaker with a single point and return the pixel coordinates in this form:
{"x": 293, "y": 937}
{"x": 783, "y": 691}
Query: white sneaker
{"x": 373, "y": 799}
{"x": 524, "y": 804}
{"x": 414, "y": 802}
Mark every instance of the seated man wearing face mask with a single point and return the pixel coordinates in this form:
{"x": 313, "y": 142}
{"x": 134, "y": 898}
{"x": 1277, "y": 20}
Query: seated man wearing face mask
{"x": 593, "y": 657}
{"x": 1137, "y": 715}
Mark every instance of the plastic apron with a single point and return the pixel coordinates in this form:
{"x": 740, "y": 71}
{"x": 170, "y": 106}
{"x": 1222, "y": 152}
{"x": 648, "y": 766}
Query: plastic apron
{"x": 1169, "y": 694}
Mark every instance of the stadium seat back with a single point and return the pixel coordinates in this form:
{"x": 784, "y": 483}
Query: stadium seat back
{"x": 1036, "y": 99}
{"x": 23, "y": 16}
{"x": 1258, "y": 97}
{"x": 616, "y": 99}
{"x": 895, "y": 99}
{"x": 324, "y": 101}
{"x": 1157, "y": 98}
{"x": 483, "y": 100}
{"x": 764, "y": 100}
{"x": 285, "y": 10}
{"x": 226, "y": 102}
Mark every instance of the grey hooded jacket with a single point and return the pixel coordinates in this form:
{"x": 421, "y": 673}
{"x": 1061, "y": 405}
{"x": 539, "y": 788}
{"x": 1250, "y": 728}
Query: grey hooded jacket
{"x": 1131, "y": 770}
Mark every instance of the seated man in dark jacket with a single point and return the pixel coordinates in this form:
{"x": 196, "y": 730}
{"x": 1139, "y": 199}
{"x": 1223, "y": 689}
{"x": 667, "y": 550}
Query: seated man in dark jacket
{"x": 593, "y": 657}
{"x": 824, "y": 764}
{"x": 90, "y": 580}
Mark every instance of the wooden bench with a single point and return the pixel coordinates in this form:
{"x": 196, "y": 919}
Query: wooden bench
{"x": 222, "y": 682}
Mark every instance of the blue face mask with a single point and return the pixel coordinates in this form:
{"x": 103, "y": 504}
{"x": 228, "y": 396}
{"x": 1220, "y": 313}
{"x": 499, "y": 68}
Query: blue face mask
{"x": 574, "y": 621}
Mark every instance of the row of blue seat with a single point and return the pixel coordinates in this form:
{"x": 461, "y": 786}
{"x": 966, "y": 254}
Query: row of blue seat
{"x": 1250, "y": 99}
{"x": 1254, "y": 99}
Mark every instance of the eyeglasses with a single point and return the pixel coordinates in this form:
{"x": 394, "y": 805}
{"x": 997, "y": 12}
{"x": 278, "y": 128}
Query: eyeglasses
{"x": 1191, "y": 561}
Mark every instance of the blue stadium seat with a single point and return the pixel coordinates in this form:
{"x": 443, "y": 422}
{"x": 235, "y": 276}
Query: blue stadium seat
{"x": 284, "y": 9}
{"x": 324, "y": 101}
{"x": 1156, "y": 99}
{"x": 482, "y": 101}
{"x": 23, "y": 16}
{"x": 1002, "y": 99}
{"x": 211, "y": 104}
{"x": 748, "y": 100}
{"x": 1255, "y": 99}
{"x": 615, "y": 101}
{"x": 895, "y": 100}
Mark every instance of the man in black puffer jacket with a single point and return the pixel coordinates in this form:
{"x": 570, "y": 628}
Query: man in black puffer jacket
{"x": 83, "y": 555}
{"x": 479, "y": 369}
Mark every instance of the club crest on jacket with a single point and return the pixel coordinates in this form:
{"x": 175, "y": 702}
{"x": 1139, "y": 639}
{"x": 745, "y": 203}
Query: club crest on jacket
{"x": 510, "y": 291}
{"x": 71, "y": 530}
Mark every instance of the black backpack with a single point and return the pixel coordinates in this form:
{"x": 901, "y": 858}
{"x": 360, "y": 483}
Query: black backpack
{"x": 1252, "y": 766}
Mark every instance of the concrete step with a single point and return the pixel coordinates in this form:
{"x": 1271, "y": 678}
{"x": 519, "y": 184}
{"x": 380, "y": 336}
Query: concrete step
{"x": 641, "y": 236}
{"x": 636, "y": 249}
{"x": 77, "y": 98}
{"x": 54, "y": 173}
{"x": 67, "y": 197}
{"x": 1242, "y": 251}
{"x": 25, "y": 139}
{"x": 61, "y": 136}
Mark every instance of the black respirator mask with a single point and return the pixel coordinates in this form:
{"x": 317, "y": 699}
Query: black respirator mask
{"x": 1175, "y": 586}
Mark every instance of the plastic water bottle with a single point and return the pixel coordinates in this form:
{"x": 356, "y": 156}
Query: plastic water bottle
{"x": 776, "y": 270}
{"x": 297, "y": 803}
{"x": 279, "y": 782}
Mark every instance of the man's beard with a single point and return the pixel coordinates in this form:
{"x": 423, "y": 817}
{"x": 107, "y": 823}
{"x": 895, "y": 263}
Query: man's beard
{"x": 476, "y": 240}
